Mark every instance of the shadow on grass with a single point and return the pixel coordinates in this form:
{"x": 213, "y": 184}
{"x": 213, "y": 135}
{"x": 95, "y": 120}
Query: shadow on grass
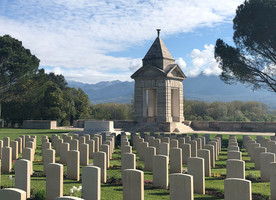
{"x": 159, "y": 193}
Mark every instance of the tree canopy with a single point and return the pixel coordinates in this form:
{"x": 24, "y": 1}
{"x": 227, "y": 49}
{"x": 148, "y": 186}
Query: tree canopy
{"x": 17, "y": 65}
{"x": 253, "y": 59}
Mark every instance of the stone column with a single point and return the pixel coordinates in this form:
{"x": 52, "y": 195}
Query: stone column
{"x": 54, "y": 181}
{"x": 133, "y": 187}
{"x": 234, "y": 155}
{"x": 23, "y": 141}
{"x": 272, "y": 187}
{"x": 74, "y": 145}
{"x": 164, "y": 149}
{"x": 126, "y": 149}
{"x": 205, "y": 154}
{"x": 27, "y": 153}
{"x": 235, "y": 169}
{"x": 110, "y": 144}
{"x": 91, "y": 183}
{"x": 238, "y": 189}
{"x": 30, "y": 144}
{"x": 99, "y": 159}
{"x": 160, "y": 171}
{"x": 49, "y": 157}
{"x": 128, "y": 161}
{"x": 193, "y": 144}
{"x": 6, "y": 142}
{"x": 199, "y": 143}
{"x": 105, "y": 148}
{"x": 215, "y": 144}
{"x": 212, "y": 153}
{"x": 23, "y": 176}
{"x": 97, "y": 144}
{"x": 59, "y": 142}
{"x": 166, "y": 140}
{"x": 12, "y": 193}
{"x": 19, "y": 140}
{"x": 87, "y": 137}
{"x": 187, "y": 139}
{"x": 143, "y": 146}
{"x": 84, "y": 154}
{"x": 181, "y": 141}
{"x": 176, "y": 160}
{"x": 186, "y": 152}
{"x": 266, "y": 159}
{"x": 73, "y": 165}
{"x": 1, "y": 146}
{"x": 174, "y": 143}
{"x": 196, "y": 169}
{"x": 6, "y": 159}
{"x": 258, "y": 152}
{"x": 82, "y": 140}
{"x": 91, "y": 144}
{"x": 150, "y": 153}
{"x": 181, "y": 187}
{"x": 156, "y": 144}
{"x": 14, "y": 146}
{"x": 64, "y": 148}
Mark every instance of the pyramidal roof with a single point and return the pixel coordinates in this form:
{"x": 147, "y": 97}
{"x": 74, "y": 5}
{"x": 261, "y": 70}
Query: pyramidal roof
{"x": 158, "y": 50}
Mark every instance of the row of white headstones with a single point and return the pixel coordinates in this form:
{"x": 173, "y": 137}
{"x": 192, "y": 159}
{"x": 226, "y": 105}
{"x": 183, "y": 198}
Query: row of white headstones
{"x": 157, "y": 152}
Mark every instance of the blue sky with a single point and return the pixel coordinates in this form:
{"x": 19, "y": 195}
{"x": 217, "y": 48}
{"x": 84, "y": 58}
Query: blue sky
{"x": 99, "y": 40}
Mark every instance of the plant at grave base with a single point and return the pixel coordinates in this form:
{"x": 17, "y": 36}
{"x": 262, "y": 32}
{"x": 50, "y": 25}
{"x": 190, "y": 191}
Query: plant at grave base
{"x": 11, "y": 179}
{"x": 140, "y": 168}
{"x": 13, "y": 163}
{"x": 252, "y": 177}
{"x": 114, "y": 180}
{"x": 148, "y": 184}
{"x": 39, "y": 195}
{"x": 74, "y": 188}
{"x": 216, "y": 175}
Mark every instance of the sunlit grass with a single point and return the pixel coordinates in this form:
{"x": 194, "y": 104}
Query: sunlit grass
{"x": 214, "y": 185}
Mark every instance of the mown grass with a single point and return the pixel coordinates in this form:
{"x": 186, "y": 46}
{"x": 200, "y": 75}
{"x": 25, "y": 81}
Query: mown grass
{"x": 113, "y": 189}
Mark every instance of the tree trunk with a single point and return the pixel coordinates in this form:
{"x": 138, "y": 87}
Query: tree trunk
{"x": 1, "y": 120}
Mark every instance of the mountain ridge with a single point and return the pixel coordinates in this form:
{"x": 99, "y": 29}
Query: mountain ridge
{"x": 203, "y": 88}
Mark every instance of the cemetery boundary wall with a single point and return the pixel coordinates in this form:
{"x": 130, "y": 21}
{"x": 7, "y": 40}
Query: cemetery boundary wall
{"x": 234, "y": 126}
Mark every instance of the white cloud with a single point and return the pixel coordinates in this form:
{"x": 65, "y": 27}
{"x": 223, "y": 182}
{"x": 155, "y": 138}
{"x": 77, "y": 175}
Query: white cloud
{"x": 182, "y": 64}
{"x": 80, "y": 34}
{"x": 270, "y": 70}
{"x": 203, "y": 62}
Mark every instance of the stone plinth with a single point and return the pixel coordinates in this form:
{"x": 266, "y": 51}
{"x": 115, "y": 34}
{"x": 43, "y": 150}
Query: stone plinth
{"x": 95, "y": 126}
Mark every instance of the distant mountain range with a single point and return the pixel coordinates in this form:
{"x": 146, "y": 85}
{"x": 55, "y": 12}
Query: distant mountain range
{"x": 204, "y": 88}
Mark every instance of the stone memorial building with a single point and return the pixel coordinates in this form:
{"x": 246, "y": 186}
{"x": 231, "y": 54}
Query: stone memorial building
{"x": 158, "y": 95}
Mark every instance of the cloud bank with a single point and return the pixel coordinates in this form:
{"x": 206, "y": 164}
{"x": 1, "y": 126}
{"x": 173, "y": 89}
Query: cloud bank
{"x": 76, "y": 37}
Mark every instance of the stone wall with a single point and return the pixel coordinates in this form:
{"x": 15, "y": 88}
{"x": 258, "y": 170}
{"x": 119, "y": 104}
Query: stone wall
{"x": 234, "y": 126}
{"x": 39, "y": 124}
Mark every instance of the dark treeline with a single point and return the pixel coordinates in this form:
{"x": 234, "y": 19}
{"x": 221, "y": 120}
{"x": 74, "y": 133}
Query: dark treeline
{"x": 228, "y": 111}
{"x": 195, "y": 110}
{"x": 112, "y": 111}
{"x": 46, "y": 96}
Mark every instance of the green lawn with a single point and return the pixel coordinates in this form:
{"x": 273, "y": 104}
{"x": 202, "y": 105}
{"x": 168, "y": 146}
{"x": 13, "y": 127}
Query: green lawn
{"x": 113, "y": 189}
